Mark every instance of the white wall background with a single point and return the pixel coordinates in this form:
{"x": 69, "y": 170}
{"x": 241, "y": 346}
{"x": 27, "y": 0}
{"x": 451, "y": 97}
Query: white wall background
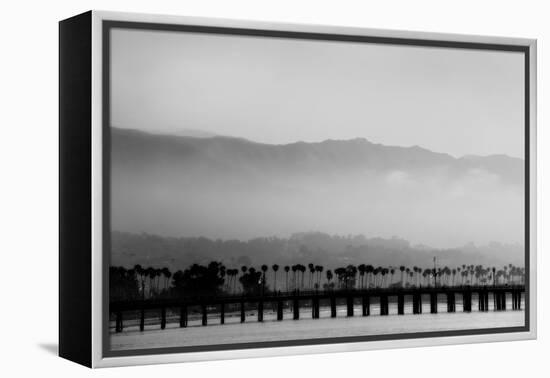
{"x": 28, "y": 158}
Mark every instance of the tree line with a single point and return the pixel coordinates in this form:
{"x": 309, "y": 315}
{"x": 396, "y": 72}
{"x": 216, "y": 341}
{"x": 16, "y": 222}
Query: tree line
{"x": 217, "y": 279}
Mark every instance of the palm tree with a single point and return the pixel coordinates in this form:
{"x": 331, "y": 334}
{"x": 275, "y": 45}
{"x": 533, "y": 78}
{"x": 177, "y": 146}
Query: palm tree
{"x": 362, "y": 269}
{"x": 375, "y": 272}
{"x": 402, "y": 269}
{"x": 339, "y": 275}
{"x": 235, "y": 273}
{"x": 454, "y": 274}
{"x": 229, "y": 283}
{"x": 369, "y": 269}
{"x": 140, "y": 272}
{"x": 150, "y": 274}
{"x": 244, "y": 269}
{"x": 275, "y": 268}
{"x": 294, "y": 270}
{"x": 167, "y": 274}
{"x": 158, "y": 273}
{"x": 223, "y": 273}
{"x": 329, "y": 276}
{"x": 319, "y": 270}
{"x": 287, "y": 268}
{"x": 302, "y": 270}
{"x": 264, "y": 269}
{"x": 311, "y": 269}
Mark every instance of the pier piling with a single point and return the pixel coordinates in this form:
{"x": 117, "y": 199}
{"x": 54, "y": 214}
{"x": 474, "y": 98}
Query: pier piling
{"x": 279, "y": 310}
{"x": 483, "y": 299}
{"x": 142, "y": 319}
{"x": 296, "y": 309}
{"x": 400, "y": 304}
{"x": 417, "y": 303}
{"x": 384, "y": 310}
{"x": 332, "y": 307}
{"x": 118, "y": 322}
{"x": 433, "y": 303}
{"x": 204, "y": 315}
{"x": 183, "y": 316}
{"x": 137, "y": 309}
{"x": 451, "y": 303}
{"x": 518, "y": 297}
{"x": 500, "y": 299}
{"x": 315, "y": 308}
{"x": 163, "y": 318}
{"x": 261, "y": 311}
{"x": 467, "y": 301}
{"x": 349, "y": 303}
{"x": 366, "y": 305}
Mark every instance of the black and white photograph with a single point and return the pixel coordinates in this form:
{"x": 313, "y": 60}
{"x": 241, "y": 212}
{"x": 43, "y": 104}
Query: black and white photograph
{"x": 275, "y": 188}
{"x": 289, "y": 189}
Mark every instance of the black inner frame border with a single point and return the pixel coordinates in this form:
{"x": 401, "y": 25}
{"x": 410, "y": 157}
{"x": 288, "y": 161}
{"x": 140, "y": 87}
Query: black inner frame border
{"x": 108, "y": 25}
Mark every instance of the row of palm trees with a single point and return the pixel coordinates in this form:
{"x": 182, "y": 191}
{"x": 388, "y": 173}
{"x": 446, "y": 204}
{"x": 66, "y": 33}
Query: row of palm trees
{"x": 150, "y": 279}
{"x": 152, "y": 282}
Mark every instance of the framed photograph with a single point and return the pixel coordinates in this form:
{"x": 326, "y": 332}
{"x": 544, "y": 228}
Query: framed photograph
{"x": 232, "y": 189}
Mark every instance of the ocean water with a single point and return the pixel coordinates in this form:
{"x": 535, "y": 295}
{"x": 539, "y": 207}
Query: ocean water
{"x": 306, "y": 328}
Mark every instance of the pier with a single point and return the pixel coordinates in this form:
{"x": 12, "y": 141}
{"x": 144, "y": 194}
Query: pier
{"x": 417, "y": 296}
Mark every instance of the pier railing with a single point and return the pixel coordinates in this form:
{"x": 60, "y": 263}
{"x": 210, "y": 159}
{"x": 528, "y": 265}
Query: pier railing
{"x": 314, "y": 297}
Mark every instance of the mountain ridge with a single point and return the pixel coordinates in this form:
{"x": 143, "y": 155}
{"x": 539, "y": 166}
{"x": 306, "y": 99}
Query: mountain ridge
{"x": 357, "y": 140}
{"x": 224, "y": 154}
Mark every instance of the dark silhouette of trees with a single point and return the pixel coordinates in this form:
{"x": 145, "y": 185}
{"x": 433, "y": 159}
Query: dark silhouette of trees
{"x": 215, "y": 279}
{"x": 346, "y": 276}
{"x": 231, "y": 274}
{"x": 123, "y": 284}
{"x": 199, "y": 280}
{"x": 329, "y": 279}
{"x": 252, "y": 282}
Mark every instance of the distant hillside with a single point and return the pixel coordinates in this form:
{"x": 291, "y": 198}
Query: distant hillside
{"x": 230, "y": 188}
{"x": 313, "y": 247}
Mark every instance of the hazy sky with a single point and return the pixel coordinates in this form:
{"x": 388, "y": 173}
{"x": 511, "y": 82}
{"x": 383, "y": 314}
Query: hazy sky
{"x": 285, "y": 90}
